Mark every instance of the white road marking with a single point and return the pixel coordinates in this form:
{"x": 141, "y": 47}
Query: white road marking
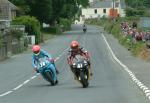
{"x": 56, "y": 59}
{"x": 147, "y": 94}
{"x": 19, "y": 86}
{"x": 6, "y": 93}
{"x": 61, "y": 54}
{"x": 26, "y": 81}
{"x": 149, "y": 97}
{"x": 144, "y": 88}
{"x": 33, "y": 77}
{"x": 147, "y": 91}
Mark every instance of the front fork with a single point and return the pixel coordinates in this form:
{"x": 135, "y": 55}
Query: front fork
{"x": 87, "y": 76}
{"x": 89, "y": 73}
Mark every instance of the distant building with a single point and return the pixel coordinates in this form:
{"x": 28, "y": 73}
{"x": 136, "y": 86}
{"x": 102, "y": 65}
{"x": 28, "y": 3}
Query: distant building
{"x": 7, "y": 13}
{"x": 104, "y": 8}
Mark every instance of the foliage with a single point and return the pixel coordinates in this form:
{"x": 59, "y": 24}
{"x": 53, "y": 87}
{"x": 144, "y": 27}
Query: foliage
{"x": 32, "y": 26}
{"x": 69, "y": 9}
{"x": 138, "y": 7}
{"x": 51, "y": 30}
{"x": 115, "y": 30}
{"x": 23, "y": 6}
{"x": 65, "y": 24}
{"x": 146, "y": 3}
{"x": 50, "y": 11}
{"x": 57, "y": 6}
{"x": 41, "y": 10}
{"x": 138, "y": 3}
{"x": 134, "y": 12}
{"x": 137, "y": 48}
{"x": 84, "y": 3}
{"x": 147, "y": 13}
{"x": 16, "y": 33}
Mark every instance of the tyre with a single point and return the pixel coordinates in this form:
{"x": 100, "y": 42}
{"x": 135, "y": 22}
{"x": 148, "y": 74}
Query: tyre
{"x": 84, "y": 80}
{"x": 50, "y": 78}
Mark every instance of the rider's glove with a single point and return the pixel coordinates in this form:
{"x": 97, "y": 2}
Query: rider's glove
{"x": 35, "y": 68}
{"x": 51, "y": 60}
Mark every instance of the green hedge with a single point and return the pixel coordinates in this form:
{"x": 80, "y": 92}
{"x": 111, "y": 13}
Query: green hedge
{"x": 52, "y": 30}
{"x": 32, "y": 26}
{"x": 16, "y": 33}
{"x": 64, "y": 25}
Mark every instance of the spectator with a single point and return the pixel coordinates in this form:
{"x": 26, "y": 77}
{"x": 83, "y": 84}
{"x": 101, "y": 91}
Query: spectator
{"x": 138, "y": 36}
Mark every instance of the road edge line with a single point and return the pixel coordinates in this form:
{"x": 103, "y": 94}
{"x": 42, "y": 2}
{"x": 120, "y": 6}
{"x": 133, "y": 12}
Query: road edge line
{"x": 141, "y": 86}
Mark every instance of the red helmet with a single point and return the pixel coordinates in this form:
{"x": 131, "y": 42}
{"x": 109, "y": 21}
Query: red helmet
{"x": 36, "y": 49}
{"x": 74, "y": 45}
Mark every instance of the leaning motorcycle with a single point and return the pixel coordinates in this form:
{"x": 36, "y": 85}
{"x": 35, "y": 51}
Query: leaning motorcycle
{"x": 47, "y": 70}
{"x": 81, "y": 71}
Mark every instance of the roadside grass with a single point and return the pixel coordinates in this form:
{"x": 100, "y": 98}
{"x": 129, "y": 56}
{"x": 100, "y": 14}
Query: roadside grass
{"x": 146, "y": 29}
{"x": 137, "y": 48}
{"x": 114, "y": 29}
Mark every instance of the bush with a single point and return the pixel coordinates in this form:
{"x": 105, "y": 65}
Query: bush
{"x": 32, "y": 26}
{"x": 134, "y": 12}
{"x": 16, "y": 33}
{"x": 138, "y": 47}
{"x": 92, "y": 21}
{"x": 116, "y": 31}
{"x": 49, "y": 30}
{"x": 53, "y": 30}
{"x": 65, "y": 24}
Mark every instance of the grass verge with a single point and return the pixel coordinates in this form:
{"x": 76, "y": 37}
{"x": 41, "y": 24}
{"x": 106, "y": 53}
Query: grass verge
{"x": 115, "y": 30}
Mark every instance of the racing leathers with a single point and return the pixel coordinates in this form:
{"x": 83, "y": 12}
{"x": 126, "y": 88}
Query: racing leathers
{"x": 42, "y": 54}
{"x": 81, "y": 52}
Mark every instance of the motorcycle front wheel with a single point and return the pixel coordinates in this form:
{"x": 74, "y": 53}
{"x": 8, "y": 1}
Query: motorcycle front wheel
{"x": 49, "y": 77}
{"x": 84, "y": 80}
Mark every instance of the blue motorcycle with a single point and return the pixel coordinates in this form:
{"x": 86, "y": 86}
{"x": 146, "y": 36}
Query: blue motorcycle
{"x": 47, "y": 70}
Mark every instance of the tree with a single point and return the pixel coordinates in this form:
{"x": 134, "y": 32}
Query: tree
{"x": 32, "y": 26}
{"x": 137, "y": 7}
{"x": 69, "y": 9}
{"x": 56, "y": 10}
{"x": 84, "y": 3}
{"x": 24, "y": 8}
{"x": 49, "y": 11}
{"x": 147, "y": 3}
{"x": 138, "y": 3}
{"x": 42, "y": 10}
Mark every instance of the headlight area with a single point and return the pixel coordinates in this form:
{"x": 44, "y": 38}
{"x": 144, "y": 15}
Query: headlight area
{"x": 79, "y": 66}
